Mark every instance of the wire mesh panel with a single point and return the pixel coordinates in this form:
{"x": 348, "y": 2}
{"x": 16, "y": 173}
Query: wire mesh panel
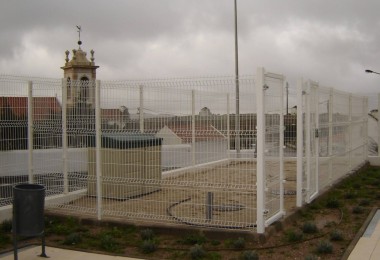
{"x": 270, "y": 138}
{"x": 167, "y": 153}
{"x": 333, "y": 137}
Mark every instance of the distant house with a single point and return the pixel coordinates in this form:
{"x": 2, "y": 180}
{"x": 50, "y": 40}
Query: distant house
{"x": 115, "y": 118}
{"x": 178, "y": 149}
{"x": 14, "y": 117}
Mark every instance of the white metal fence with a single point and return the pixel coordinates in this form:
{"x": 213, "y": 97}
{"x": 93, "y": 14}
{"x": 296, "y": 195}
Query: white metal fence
{"x": 164, "y": 150}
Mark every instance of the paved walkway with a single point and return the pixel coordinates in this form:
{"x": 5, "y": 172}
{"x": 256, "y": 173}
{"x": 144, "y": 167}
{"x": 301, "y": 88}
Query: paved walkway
{"x": 368, "y": 246}
{"x": 33, "y": 252}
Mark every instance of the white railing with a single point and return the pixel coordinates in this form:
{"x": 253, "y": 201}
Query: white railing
{"x": 164, "y": 150}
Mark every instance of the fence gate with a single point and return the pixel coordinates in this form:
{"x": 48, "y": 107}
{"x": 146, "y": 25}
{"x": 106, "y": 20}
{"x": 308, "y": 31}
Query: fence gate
{"x": 270, "y": 141}
{"x": 308, "y": 141}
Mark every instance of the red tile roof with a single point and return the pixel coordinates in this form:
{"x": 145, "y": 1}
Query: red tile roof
{"x": 43, "y": 107}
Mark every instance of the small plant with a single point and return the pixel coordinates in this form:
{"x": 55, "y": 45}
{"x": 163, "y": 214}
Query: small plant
{"x": 147, "y": 234}
{"x": 215, "y": 242}
{"x": 214, "y": 256}
{"x": 293, "y": 236}
{"x": 311, "y": 257}
{"x": 239, "y": 243}
{"x": 350, "y": 195}
{"x": 108, "y": 243}
{"x": 364, "y": 202}
{"x": 357, "y": 210}
{"x": 193, "y": 239}
{"x": 332, "y": 203}
{"x": 73, "y": 239}
{"x": 249, "y": 255}
{"x": 324, "y": 247}
{"x": 148, "y": 246}
{"x": 309, "y": 228}
{"x": 6, "y": 226}
{"x": 336, "y": 235}
{"x": 197, "y": 252}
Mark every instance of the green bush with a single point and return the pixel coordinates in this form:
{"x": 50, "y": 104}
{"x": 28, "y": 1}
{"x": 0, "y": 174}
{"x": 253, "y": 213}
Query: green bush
{"x": 73, "y": 239}
{"x": 332, "y": 203}
{"x": 358, "y": 210}
{"x": 309, "y": 228}
{"x": 148, "y": 246}
{"x": 336, "y": 235}
{"x": 249, "y": 255}
{"x": 193, "y": 239}
{"x": 324, "y": 247}
{"x": 197, "y": 252}
{"x": 6, "y": 226}
{"x": 365, "y": 202}
{"x": 311, "y": 257}
{"x": 108, "y": 243}
{"x": 239, "y": 243}
{"x": 293, "y": 236}
{"x": 147, "y": 234}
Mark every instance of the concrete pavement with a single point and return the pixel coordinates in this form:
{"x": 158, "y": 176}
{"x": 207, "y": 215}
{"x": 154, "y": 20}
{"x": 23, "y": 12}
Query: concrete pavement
{"x": 33, "y": 252}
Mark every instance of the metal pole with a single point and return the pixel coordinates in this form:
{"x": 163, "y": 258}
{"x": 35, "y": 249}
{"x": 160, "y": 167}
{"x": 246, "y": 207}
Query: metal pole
{"x": 193, "y": 126}
{"x": 260, "y": 166}
{"x": 237, "y": 120}
{"x": 287, "y": 98}
{"x": 141, "y": 109}
{"x": 64, "y": 136}
{"x": 98, "y": 134}
{"x": 300, "y": 141}
{"x": 30, "y": 132}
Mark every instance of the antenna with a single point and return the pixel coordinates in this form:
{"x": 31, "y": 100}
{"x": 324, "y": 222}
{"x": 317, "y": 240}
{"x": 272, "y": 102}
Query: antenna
{"x": 79, "y": 30}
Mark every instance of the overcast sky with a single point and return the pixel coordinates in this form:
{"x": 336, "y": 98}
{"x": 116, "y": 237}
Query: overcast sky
{"x": 329, "y": 41}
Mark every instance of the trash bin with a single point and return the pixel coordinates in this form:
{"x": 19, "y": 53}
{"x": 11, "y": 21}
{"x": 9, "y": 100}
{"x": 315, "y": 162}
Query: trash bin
{"x": 28, "y": 213}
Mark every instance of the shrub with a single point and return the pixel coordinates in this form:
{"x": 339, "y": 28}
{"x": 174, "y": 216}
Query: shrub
{"x": 350, "y": 194}
{"x": 332, "y": 203}
{"x": 239, "y": 243}
{"x": 6, "y": 226}
{"x": 293, "y": 236}
{"x": 147, "y": 234}
{"x": 108, "y": 243}
{"x": 73, "y": 239}
{"x": 365, "y": 202}
{"x": 336, "y": 235}
{"x": 311, "y": 257}
{"x": 357, "y": 210}
{"x": 193, "y": 239}
{"x": 249, "y": 255}
{"x": 148, "y": 246}
{"x": 197, "y": 252}
{"x": 324, "y": 247}
{"x": 309, "y": 228}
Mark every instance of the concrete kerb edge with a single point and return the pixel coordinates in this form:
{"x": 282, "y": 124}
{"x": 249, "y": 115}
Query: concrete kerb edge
{"x": 359, "y": 234}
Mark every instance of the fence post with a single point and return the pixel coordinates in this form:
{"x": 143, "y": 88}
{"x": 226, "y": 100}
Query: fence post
{"x": 378, "y": 124}
{"x": 330, "y": 146}
{"x": 300, "y": 126}
{"x": 228, "y": 126}
{"x": 141, "y": 109}
{"x": 308, "y": 142}
{"x": 350, "y": 133}
{"x": 193, "y": 126}
{"x": 282, "y": 144}
{"x": 365, "y": 114}
{"x": 260, "y": 167}
{"x": 98, "y": 134}
{"x": 64, "y": 136}
{"x": 30, "y": 133}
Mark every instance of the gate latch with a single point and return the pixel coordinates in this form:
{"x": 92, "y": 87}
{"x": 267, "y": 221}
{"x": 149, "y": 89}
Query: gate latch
{"x": 316, "y": 133}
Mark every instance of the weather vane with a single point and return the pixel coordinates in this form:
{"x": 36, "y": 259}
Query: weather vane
{"x": 79, "y": 30}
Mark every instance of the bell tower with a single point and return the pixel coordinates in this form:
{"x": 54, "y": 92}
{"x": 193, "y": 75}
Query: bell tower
{"x": 80, "y": 76}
